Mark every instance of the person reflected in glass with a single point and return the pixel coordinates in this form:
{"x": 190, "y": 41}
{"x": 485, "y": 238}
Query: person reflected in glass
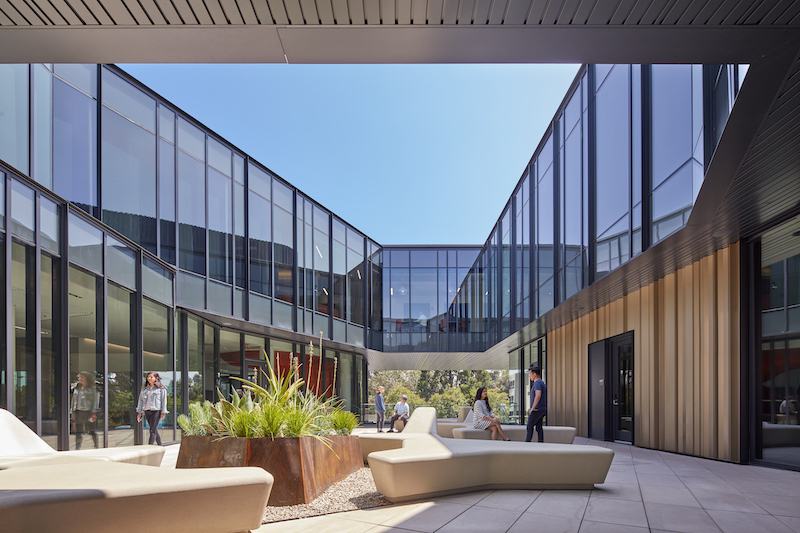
{"x": 84, "y": 408}
{"x": 153, "y": 402}
{"x": 483, "y": 417}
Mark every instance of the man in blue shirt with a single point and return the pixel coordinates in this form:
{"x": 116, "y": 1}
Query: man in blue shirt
{"x": 400, "y": 411}
{"x": 538, "y": 404}
{"x": 380, "y": 408}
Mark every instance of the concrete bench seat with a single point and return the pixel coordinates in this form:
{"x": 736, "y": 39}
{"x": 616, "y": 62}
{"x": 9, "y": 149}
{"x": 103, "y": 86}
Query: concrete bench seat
{"x": 19, "y": 443}
{"x": 426, "y": 465}
{"x": 69, "y": 494}
{"x": 552, "y": 434}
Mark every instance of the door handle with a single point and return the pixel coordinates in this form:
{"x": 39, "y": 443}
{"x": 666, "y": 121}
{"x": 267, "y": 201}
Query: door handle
{"x": 616, "y": 402}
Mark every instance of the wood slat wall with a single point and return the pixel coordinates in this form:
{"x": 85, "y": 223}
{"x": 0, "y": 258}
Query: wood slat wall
{"x": 686, "y": 360}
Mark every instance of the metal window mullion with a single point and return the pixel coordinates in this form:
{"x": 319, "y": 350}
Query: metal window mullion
{"x": 104, "y": 305}
{"x": 366, "y": 292}
{"x": 557, "y": 248}
{"x": 331, "y": 297}
{"x": 138, "y": 342}
{"x": 158, "y": 182}
{"x": 184, "y": 355}
{"x": 512, "y": 264}
{"x": 38, "y": 317}
{"x": 647, "y": 156}
{"x": 63, "y": 411}
{"x": 99, "y": 144}
{"x": 532, "y": 283}
{"x": 207, "y": 230}
{"x": 246, "y": 183}
{"x": 9, "y": 302}
{"x": 592, "y": 177}
{"x": 295, "y": 260}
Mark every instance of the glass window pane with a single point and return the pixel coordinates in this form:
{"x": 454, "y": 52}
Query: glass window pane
{"x": 191, "y": 290}
{"x": 42, "y": 170}
{"x": 166, "y": 124}
{"x": 220, "y": 226}
{"x": 672, "y": 119}
{"x": 423, "y": 258}
{"x": 121, "y": 338}
{"x": 129, "y": 101}
{"x": 219, "y": 156}
{"x": 121, "y": 262}
{"x": 85, "y": 244}
{"x": 157, "y": 281}
{"x": 671, "y": 201}
{"x": 84, "y": 77}
{"x": 166, "y": 199}
{"x": 158, "y": 357}
{"x": 192, "y": 214}
{"x": 284, "y": 253}
{"x": 195, "y": 367}
{"x": 220, "y": 298}
{"x": 260, "y": 244}
{"x": 14, "y": 120}
{"x": 22, "y": 211}
{"x": 23, "y": 353}
{"x": 191, "y": 139}
{"x": 49, "y": 224}
{"x": 260, "y": 182}
{"x": 129, "y": 179}
{"x": 51, "y": 349}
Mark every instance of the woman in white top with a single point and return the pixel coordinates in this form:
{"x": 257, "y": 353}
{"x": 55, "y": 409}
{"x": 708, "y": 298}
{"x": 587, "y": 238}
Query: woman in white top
{"x": 483, "y": 417}
{"x": 153, "y": 401}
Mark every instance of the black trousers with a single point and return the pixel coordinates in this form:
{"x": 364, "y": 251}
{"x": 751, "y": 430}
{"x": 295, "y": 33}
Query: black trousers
{"x": 381, "y": 418}
{"x": 83, "y": 424}
{"x": 535, "y": 420}
{"x": 153, "y": 418}
{"x": 395, "y": 418}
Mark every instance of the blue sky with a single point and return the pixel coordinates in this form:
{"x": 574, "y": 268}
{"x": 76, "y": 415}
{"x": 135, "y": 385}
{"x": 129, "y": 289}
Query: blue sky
{"x": 408, "y": 154}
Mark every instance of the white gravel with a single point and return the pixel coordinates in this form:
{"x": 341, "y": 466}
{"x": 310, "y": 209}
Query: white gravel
{"x": 356, "y": 491}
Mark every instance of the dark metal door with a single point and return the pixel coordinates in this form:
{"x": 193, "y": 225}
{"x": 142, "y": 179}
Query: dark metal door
{"x": 622, "y": 387}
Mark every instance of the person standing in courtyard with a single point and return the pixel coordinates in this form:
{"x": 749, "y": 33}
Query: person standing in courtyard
{"x": 380, "y": 408}
{"x": 153, "y": 401}
{"x": 400, "y": 412}
{"x": 538, "y": 408}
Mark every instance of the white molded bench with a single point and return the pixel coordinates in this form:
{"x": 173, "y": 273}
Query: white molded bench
{"x": 423, "y": 464}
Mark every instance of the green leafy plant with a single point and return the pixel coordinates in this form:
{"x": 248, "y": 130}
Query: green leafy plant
{"x": 344, "y": 422}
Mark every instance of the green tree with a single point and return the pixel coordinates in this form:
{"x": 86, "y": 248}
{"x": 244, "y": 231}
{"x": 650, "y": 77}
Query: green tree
{"x": 448, "y": 402}
{"x": 433, "y": 382}
{"x": 391, "y": 379}
{"x": 393, "y": 396}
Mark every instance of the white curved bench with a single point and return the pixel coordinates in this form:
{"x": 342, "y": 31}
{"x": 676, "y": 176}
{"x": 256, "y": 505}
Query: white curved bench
{"x": 426, "y": 465}
{"x": 552, "y": 434}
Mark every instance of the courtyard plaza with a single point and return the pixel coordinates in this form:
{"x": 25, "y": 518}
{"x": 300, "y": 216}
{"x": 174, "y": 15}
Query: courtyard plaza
{"x": 645, "y": 491}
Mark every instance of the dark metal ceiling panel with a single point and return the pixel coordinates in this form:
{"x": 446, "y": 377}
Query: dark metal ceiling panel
{"x": 116, "y": 9}
{"x": 676, "y": 11}
{"x": 498, "y": 12}
{"x": 566, "y": 14}
{"x": 602, "y": 12}
{"x": 435, "y": 10}
{"x": 692, "y": 12}
{"x": 138, "y": 14}
{"x": 278, "y": 11}
{"x": 655, "y": 12}
{"x": 215, "y": 11}
{"x": 52, "y": 14}
{"x": 623, "y": 11}
{"x": 758, "y": 12}
{"x": 730, "y": 12}
{"x": 309, "y": 9}
{"x": 583, "y": 12}
{"x": 420, "y": 12}
{"x": 776, "y": 12}
{"x": 185, "y": 12}
{"x": 517, "y": 12}
{"x": 356, "y": 10}
{"x": 638, "y": 12}
{"x": 200, "y": 11}
{"x": 67, "y": 12}
{"x": 790, "y": 15}
{"x": 295, "y": 13}
{"x": 450, "y": 12}
{"x": 403, "y": 11}
{"x": 260, "y": 9}
{"x": 465, "y": 11}
{"x": 153, "y": 12}
{"x": 537, "y": 9}
{"x": 231, "y": 10}
{"x": 709, "y": 9}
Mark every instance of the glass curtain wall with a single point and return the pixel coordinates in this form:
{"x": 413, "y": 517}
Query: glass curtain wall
{"x": 220, "y": 228}
{"x": 283, "y": 231}
{"x": 260, "y": 226}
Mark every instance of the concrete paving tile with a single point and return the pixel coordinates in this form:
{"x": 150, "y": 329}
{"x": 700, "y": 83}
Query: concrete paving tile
{"x": 564, "y": 503}
{"x": 620, "y": 512}
{"x": 669, "y": 495}
{"x": 733, "y": 522}
{"x": 467, "y": 498}
{"x": 679, "y": 519}
{"x": 427, "y": 517}
{"x": 726, "y": 501}
{"x": 322, "y": 524}
{"x": 510, "y": 499}
{"x": 692, "y": 471}
{"x": 657, "y": 469}
{"x": 660, "y": 480}
{"x": 708, "y": 483}
{"x": 617, "y": 491}
{"x": 600, "y": 527}
{"x": 480, "y": 520}
{"x": 379, "y": 515}
{"x": 545, "y": 523}
{"x": 766, "y": 487}
{"x": 777, "y": 505}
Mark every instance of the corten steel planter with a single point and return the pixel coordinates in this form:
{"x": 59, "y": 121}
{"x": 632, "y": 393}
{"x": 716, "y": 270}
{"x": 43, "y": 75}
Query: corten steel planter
{"x": 303, "y": 467}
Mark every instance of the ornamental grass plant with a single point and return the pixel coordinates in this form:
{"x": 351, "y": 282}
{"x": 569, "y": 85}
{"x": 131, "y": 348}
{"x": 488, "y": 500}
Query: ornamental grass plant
{"x": 281, "y": 409}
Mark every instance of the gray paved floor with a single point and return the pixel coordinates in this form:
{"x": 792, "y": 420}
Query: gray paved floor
{"x": 645, "y": 490}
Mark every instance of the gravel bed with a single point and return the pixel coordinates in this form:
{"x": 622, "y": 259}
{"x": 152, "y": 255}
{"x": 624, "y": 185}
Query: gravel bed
{"x": 356, "y": 491}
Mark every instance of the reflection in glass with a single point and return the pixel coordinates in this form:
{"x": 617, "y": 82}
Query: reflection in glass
{"x": 121, "y": 262}
{"x": 220, "y": 227}
{"x": 14, "y": 116}
{"x": 195, "y": 352}
{"x": 192, "y": 214}
{"x": 166, "y": 194}
{"x": 283, "y": 225}
{"x": 23, "y": 347}
{"x": 129, "y": 101}
{"x": 85, "y": 244}
{"x": 49, "y": 223}
{"x": 42, "y": 112}
{"x": 85, "y": 358}
{"x": 51, "y": 353}
{"x": 230, "y": 362}
{"x": 158, "y": 356}
{"x": 121, "y": 337}
{"x": 22, "y": 211}
{"x": 156, "y": 281}
{"x": 260, "y": 225}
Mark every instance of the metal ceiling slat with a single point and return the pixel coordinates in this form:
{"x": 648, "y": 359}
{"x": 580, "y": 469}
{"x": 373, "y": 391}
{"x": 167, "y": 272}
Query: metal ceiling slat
{"x": 676, "y": 12}
{"x": 325, "y": 12}
{"x": 66, "y": 11}
{"x": 707, "y": 12}
{"x": 117, "y": 11}
{"x": 419, "y": 11}
{"x": 5, "y": 21}
{"x": 654, "y": 12}
{"x": 534, "y": 15}
{"x": 777, "y": 11}
{"x": 277, "y": 9}
{"x": 340, "y": 14}
{"x": 692, "y": 12}
{"x": 47, "y": 21}
{"x": 94, "y": 13}
{"x": 435, "y": 8}
{"x": 200, "y": 11}
{"x": 465, "y": 11}
{"x": 498, "y": 12}
{"x": 482, "y": 12}
{"x": 51, "y": 12}
{"x": 450, "y": 12}
{"x": 563, "y": 15}
{"x": 729, "y": 13}
{"x": 638, "y": 11}
{"x": 517, "y": 12}
{"x": 12, "y": 14}
{"x": 403, "y": 12}
{"x": 231, "y": 10}
{"x": 33, "y": 18}
{"x": 356, "y": 9}
{"x": 152, "y": 9}
{"x": 372, "y": 11}
{"x": 168, "y": 11}
{"x": 248, "y": 12}
{"x": 185, "y": 11}
{"x": 98, "y": 12}
{"x": 138, "y": 13}
{"x": 309, "y": 9}
{"x": 583, "y": 12}
{"x": 789, "y": 14}
{"x": 758, "y": 14}
{"x": 388, "y": 16}
{"x": 622, "y": 12}
{"x": 216, "y": 12}
{"x": 294, "y": 11}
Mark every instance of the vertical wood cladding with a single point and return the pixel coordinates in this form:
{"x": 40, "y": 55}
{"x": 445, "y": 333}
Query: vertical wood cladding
{"x": 686, "y": 359}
